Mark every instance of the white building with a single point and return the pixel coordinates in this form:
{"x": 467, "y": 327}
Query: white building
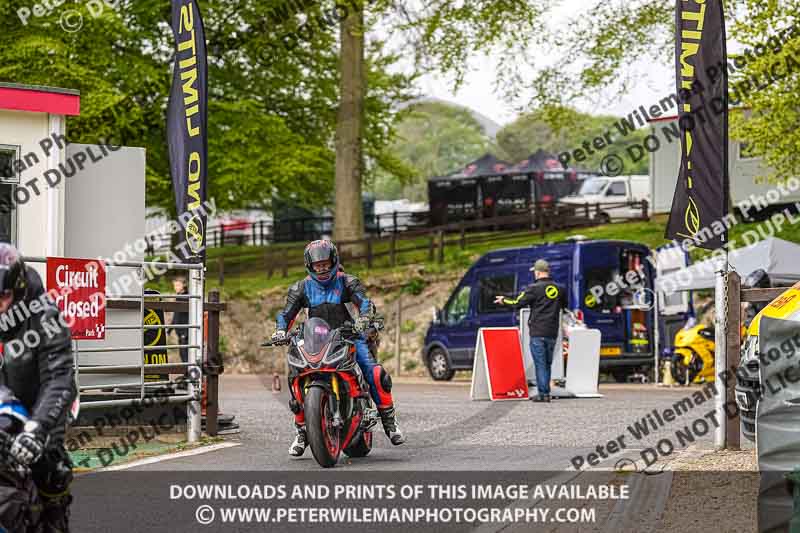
{"x": 32, "y": 129}
{"x": 95, "y": 208}
{"x": 747, "y": 174}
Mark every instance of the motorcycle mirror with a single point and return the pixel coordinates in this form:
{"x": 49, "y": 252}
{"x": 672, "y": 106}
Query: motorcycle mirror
{"x": 758, "y": 279}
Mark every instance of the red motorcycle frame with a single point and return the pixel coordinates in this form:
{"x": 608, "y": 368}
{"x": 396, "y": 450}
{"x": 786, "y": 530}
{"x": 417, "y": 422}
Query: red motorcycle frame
{"x": 330, "y": 386}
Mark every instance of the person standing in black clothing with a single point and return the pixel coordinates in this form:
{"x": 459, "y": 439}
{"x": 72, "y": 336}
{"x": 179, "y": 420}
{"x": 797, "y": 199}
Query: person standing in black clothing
{"x": 36, "y": 365}
{"x": 546, "y": 299}
{"x": 181, "y": 318}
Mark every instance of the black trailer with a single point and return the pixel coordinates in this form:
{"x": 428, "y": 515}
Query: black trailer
{"x": 488, "y": 187}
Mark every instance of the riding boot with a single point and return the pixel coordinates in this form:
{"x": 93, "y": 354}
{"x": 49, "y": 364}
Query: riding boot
{"x": 300, "y": 442}
{"x": 389, "y": 420}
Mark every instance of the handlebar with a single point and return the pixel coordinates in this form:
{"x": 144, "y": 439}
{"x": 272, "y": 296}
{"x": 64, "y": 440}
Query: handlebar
{"x": 347, "y": 331}
{"x": 286, "y": 341}
{"x": 270, "y": 343}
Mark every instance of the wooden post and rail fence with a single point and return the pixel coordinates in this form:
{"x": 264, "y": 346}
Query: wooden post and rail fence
{"x": 270, "y": 232}
{"x": 544, "y": 218}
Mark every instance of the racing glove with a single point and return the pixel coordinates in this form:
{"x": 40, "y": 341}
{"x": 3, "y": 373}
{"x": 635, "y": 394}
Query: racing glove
{"x": 28, "y": 446}
{"x": 362, "y": 324}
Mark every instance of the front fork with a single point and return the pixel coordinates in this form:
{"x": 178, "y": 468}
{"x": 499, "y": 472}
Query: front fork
{"x": 335, "y": 402}
{"x": 334, "y": 399}
{"x": 368, "y": 422}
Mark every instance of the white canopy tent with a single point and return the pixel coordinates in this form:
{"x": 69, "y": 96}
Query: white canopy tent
{"x": 780, "y": 259}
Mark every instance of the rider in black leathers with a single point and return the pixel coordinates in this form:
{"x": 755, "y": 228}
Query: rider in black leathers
{"x": 37, "y": 366}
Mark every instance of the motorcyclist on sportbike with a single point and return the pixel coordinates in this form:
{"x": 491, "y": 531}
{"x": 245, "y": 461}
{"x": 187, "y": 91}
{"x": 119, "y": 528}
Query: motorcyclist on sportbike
{"x": 324, "y": 292}
{"x": 37, "y": 367}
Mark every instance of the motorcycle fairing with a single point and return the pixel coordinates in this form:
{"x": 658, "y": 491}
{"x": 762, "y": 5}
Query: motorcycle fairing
{"x": 777, "y": 419}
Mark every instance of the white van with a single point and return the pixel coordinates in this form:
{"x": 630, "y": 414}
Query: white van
{"x": 605, "y": 194}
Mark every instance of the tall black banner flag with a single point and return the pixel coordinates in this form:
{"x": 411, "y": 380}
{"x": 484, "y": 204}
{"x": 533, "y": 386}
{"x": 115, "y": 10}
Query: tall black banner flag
{"x": 187, "y": 126}
{"x": 700, "y": 203}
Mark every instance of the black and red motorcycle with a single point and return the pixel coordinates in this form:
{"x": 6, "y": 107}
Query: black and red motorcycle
{"x": 339, "y": 412}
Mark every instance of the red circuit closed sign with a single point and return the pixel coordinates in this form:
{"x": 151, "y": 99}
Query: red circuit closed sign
{"x": 79, "y": 287}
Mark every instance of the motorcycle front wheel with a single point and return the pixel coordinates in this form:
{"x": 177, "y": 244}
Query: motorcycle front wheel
{"x": 679, "y": 370}
{"x": 324, "y": 439}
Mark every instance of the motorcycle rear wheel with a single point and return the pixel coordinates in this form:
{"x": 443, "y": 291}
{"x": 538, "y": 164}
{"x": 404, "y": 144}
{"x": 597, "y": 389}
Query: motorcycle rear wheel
{"x": 360, "y": 446}
{"x": 324, "y": 439}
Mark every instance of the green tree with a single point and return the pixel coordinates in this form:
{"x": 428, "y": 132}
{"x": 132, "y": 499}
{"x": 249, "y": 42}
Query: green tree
{"x": 611, "y": 45}
{"x": 272, "y": 114}
{"x": 559, "y": 129}
{"x": 432, "y": 139}
{"x": 770, "y": 126}
{"x": 442, "y": 36}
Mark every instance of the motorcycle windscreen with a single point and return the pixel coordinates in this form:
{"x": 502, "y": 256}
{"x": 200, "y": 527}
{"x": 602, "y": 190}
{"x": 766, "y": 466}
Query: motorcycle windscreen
{"x": 316, "y": 335}
{"x": 778, "y": 419}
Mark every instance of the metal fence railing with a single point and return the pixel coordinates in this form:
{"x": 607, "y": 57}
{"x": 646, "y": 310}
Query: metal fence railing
{"x": 111, "y": 376}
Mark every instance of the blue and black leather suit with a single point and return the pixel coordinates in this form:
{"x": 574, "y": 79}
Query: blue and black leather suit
{"x": 327, "y": 301}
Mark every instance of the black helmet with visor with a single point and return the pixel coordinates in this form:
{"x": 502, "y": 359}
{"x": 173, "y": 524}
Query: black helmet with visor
{"x": 321, "y": 250}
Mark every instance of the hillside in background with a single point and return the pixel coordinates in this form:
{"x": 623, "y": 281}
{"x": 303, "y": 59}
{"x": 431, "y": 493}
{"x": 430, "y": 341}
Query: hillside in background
{"x": 490, "y": 127}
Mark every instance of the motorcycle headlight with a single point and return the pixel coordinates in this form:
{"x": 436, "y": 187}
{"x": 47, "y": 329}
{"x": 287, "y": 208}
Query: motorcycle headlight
{"x": 295, "y": 359}
{"x": 335, "y": 357}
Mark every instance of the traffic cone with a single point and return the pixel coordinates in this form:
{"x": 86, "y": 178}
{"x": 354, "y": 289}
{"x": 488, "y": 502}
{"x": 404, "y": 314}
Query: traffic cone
{"x": 668, "y": 381}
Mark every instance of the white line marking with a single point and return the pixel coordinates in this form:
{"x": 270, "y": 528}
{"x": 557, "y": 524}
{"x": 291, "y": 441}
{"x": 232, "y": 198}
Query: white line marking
{"x": 177, "y": 455}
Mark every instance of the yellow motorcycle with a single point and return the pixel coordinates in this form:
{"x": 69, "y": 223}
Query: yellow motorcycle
{"x": 693, "y": 354}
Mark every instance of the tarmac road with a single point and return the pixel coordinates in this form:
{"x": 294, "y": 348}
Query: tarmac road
{"x": 446, "y": 431}
{"x": 451, "y": 441}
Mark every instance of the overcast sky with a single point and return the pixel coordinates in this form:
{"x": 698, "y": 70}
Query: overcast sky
{"x": 478, "y": 91}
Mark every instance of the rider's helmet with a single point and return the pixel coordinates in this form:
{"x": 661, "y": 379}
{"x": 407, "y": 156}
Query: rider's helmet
{"x": 320, "y": 251}
{"x": 12, "y": 271}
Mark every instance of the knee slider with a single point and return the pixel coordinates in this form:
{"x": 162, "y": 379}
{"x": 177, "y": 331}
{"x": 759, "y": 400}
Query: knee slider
{"x": 386, "y": 380}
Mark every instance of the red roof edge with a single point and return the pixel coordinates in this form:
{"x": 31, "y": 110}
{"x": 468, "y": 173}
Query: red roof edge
{"x": 40, "y": 100}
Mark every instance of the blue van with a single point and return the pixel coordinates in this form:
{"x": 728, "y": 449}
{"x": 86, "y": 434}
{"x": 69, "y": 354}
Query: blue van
{"x": 622, "y": 312}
